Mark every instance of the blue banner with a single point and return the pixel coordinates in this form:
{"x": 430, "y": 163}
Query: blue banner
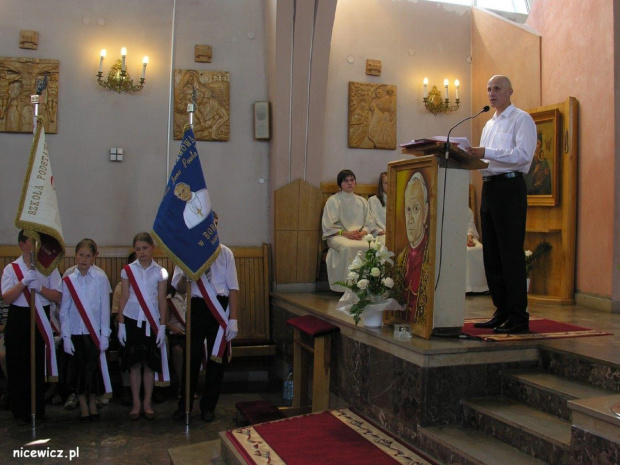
{"x": 184, "y": 225}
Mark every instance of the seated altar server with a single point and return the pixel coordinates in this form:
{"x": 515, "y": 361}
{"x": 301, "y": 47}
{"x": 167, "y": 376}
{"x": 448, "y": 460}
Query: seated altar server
{"x": 475, "y": 280}
{"x": 346, "y": 220}
{"x": 377, "y": 203}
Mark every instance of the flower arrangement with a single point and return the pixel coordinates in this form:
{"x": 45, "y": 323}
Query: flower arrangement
{"x": 368, "y": 278}
{"x": 530, "y": 257}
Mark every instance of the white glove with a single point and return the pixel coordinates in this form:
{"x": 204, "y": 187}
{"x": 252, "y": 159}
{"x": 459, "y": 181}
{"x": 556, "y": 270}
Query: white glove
{"x": 104, "y": 343}
{"x": 35, "y": 285}
{"x": 161, "y": 336}
{"x": 30, "y": 276}
{"x": 68, "y": 345}
{"x": 122, "y": 335}
{"x": 231, "y": 330}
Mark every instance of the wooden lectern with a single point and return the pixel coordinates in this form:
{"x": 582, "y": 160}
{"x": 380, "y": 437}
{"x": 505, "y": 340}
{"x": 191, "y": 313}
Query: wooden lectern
{"x": 436, "y": 305}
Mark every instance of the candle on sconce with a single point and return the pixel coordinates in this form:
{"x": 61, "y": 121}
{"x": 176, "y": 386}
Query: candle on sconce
{"x": 425, "y": 87}
{"x": 145, "y": 61}
{"x": 101, "y": 57}
{"x": 123, "y": 56}
{"x": 445, "y": 84}
{"x": 457, "y": 84}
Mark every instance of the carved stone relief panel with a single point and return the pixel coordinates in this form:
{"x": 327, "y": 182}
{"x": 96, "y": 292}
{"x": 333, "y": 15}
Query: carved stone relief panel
{"x": 18, "y": 81}
{"x": 372, "y": 116}
{"x": 212, "y": 114}
{"x": 203, "y": 53}
{"x": 29, "y": 40}
{"x": 373, "y": 67}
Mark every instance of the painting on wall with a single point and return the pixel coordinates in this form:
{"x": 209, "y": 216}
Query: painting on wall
{"x": 18, "y": 81}
{"x": 372, "y": 116}
{"x": 543, "y": 178}
{"x": 212, "y": 93}
{"x": 411, "y": 225}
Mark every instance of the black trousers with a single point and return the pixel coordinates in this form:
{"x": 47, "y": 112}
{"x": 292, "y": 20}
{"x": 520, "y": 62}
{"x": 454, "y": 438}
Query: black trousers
{"x": 503, "y": 212}
{"x": 204, "y": 325}
{"x": 17, "y": 342}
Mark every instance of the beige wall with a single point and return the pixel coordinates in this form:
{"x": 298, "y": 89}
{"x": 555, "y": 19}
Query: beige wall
{"x": 412, "y": 40}
{"x": 110, "y": 202}
{"x": 578, "y": 60}
{"x": 502, "y": 47}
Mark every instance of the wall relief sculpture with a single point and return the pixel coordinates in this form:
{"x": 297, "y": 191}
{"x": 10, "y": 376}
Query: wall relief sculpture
{"x": 212, "y": 114}
{"x": 18, "y": 81}
{"x": 372, "y": 116}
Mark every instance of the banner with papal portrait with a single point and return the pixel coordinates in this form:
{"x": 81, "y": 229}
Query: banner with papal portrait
{"x": 184, "y": 226}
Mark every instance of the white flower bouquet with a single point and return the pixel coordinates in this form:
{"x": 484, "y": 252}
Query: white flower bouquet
{"x": 369, "y": 286}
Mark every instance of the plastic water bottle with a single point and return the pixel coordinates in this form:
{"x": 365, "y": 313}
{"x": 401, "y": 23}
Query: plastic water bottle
{"x": 287, "y": 391}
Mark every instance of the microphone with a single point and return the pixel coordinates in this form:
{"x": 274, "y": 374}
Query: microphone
{"x": 484, "y": 110}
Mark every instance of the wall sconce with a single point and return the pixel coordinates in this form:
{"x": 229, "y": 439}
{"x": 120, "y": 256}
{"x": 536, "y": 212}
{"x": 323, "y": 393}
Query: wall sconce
{"x": 433, "y": 101}
{"x": 118, "y": 77}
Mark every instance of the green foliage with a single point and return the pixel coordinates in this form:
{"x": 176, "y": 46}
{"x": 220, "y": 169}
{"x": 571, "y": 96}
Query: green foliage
{"x": 530, "y": 257}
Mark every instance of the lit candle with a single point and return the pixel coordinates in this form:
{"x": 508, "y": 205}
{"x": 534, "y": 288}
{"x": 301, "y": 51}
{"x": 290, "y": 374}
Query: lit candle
{"x": 145, "y": 61}
{"x": 102, "y": 56}
{"x": 425, "y": 87}
{"x": 445, "y": 83}
{"x": 123, "y": 56}
{"x": 457, "y": 84}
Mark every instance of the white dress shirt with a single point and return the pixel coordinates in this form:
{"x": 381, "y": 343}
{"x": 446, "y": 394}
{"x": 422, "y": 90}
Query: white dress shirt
{"x": 509, "y": 141}
{"x": 222, "y": 275}
{"x": 150, "y": 277}
{"x": 9, "y": 280}
{"x": 95, "y": 288}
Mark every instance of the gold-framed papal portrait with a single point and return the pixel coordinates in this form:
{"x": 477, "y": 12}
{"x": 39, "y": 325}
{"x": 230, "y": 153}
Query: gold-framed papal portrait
{"x": 411, "y": 226}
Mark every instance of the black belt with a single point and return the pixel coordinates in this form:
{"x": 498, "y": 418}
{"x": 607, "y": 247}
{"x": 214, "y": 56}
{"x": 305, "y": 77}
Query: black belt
{"x": 502, "y": 177}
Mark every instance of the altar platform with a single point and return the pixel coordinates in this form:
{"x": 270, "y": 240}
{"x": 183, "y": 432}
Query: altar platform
{"x": 470, "y": 401}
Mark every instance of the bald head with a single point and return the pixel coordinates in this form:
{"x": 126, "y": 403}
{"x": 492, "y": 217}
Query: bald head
{"x": 499, "y": 90}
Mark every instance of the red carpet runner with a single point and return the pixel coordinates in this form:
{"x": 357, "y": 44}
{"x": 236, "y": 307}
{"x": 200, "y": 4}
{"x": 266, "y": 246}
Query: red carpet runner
{"x": 540, "y": 328}
{"x": 332, "y": 437}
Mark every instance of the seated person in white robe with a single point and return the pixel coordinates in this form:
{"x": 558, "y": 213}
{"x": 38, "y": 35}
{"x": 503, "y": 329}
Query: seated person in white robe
{"x": 346, "y": 220}
{"x": 377, "y": 205}
{"x": 475, "y": 279}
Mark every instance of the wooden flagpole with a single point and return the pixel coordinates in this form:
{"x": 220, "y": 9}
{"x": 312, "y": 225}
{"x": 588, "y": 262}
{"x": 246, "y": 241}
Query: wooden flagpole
{"x": 188, "y": 295}
{"x": 34, "y": 100}
{"x": 33, "y": 358}
{"x": 188, "y": 345}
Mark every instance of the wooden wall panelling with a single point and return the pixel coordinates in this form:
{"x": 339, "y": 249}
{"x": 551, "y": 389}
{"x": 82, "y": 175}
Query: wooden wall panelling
{"x": 253, "y": 272}
{"x": 297, "y": 228}
{"x": 553, "y": 276}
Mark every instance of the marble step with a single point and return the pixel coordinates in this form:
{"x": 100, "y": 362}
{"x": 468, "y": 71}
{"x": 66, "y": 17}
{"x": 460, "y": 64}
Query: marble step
{"x": 548, "y": 392}
{"x": 532, "y": 431}
{"x": 455, "y": 444}
{"x": 592, "y": 364}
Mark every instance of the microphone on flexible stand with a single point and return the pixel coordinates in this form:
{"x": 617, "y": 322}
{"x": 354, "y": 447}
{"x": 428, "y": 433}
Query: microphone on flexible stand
{"x": 484, "y": 110}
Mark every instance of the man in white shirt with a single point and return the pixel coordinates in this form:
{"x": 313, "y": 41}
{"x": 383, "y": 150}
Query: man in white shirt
{"x": 507, "y": 143}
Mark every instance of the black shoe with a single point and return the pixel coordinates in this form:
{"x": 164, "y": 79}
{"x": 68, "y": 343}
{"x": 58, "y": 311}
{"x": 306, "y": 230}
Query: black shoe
{"x": 208, "y": 416}
{"x": 492, "y": 323}
{"x": 512, "y": 328}
{"x": 179, "y": 414}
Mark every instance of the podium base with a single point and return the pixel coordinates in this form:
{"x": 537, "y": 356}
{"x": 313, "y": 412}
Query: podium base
{"x": 447, "y": 332}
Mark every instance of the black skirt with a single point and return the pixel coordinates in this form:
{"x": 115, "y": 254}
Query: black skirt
{"x": 139, "y": 347}
{"x": 84, "y": 372}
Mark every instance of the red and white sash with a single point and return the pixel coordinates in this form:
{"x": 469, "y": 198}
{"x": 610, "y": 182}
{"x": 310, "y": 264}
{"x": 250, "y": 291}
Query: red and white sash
{"x": 162, "y": 375}
{"x": 221, "y": 315}
{"x": 44, "y": 327}
{"x": 89, "y": 319}
{"x": 178, "y": 314}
